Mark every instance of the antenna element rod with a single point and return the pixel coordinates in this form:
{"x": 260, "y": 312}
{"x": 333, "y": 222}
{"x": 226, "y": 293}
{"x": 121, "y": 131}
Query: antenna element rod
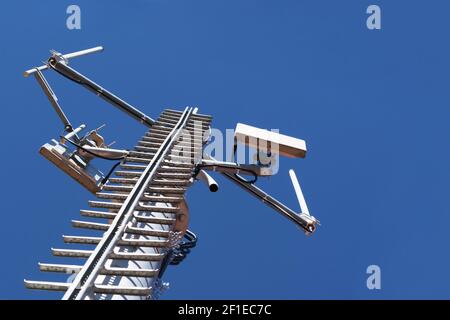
{"x": 64, "y": 56}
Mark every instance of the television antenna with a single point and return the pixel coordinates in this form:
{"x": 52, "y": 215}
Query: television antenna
{"x": 142, "y": 206}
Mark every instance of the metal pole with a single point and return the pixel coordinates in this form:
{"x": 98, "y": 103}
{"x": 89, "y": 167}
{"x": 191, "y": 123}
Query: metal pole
{"x": 272, "y": 202}
{"x": 306, "y": 224}
{"x": 74, "y": 75}
{"x": 52, "y": 98}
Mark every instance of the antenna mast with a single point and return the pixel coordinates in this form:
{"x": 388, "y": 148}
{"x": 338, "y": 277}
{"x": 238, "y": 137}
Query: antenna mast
{"x": 141, "y": 202}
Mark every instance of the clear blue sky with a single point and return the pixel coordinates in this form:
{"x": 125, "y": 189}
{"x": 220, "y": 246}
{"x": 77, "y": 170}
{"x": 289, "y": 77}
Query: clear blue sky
{"x": 373, "y": 107}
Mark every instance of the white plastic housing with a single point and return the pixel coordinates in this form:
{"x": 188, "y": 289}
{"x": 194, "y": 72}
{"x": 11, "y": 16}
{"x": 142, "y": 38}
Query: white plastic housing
{"x": 276, "y": 142}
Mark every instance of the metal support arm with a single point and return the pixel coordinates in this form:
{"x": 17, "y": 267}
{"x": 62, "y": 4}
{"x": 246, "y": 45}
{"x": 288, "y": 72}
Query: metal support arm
{"x": 301, "y": 220}
{"x": 62, "y": 68}
{"x": 53, "y": 99}
{"x": 59, "y": 62}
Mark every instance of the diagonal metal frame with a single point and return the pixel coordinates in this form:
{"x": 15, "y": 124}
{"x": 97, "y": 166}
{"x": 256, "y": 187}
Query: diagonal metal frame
{"x": 83, "y": 284}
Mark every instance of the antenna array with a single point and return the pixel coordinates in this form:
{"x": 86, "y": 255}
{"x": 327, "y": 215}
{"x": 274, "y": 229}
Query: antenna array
{"x": 140, "y": 215}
